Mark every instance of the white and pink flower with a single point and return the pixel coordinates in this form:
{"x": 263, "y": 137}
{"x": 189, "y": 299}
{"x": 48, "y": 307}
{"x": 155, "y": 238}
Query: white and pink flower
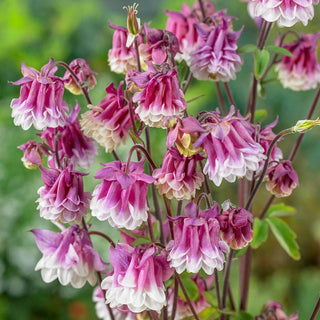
{"x": 68, "y": 256}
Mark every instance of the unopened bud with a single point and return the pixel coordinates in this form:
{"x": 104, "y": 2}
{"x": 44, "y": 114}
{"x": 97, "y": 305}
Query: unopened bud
{"x": 303, "y": 126}
{"x": 133, "y": 23}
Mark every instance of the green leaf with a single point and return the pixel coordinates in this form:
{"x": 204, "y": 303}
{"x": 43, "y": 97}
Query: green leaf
{"x": 156, "y": 229}
{"x": 211, "y": 298}
{"x": 182, "y": 69}
{"x": 260, "y": 232}
{"x": 141, "y": 241}
{"x": 279, "y": 50}
{"x": 242, "y": 315}
{"x": 247, "y": 48}
{"x": 136, "y": 139}
{"x": 239, "y": 253}
{"x": 207, "y": 314}
{"x": 261, "y": 60}
{"x": 260, "y": 115}
{"x": 285, "y": 236}
{"x": 280, "y": 210}
{"x": 261, "y": 90}
{"x": 191, "y": 288}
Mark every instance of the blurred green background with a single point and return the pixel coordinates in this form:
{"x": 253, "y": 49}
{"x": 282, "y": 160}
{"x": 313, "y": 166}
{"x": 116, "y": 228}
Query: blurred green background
{"x": 33, "y": 31}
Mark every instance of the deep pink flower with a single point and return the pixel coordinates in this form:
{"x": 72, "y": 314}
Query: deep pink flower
{"x": 121, "y": 197}
{"x": 215, "y": 57}
{"x": 103, "y": 312}
{"x": 82, "y": 70}
{"x": 282, "y": 179}
{"x": 122, "y": 59}
{"x": 41, "y": 98}
{"x": 138, "y": 278}
{"x": 68, "y": 256}
{"x": 235, "y": 226}
{"x": 285, "y": 12}
{"x": 230, "y": 148}
{"x": 182, "y": 24}
{"x": 73, "y": 146}
{"x": 197, "y": 243}
{"x": 183, "y": 309}
{"x": 109, "y": 122}
{"x": 160, "y": 97}
{"x": 32, "y": 154}
{"x": 62, "y": 198}
{"x": 178, "y": 177}
{"x": 302, "y": 71}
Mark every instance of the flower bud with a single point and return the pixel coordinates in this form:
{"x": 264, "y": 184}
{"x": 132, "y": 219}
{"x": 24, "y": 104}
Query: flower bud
{"x": 133, "y": 23}
{"x": 32, "y": 154}
{"x": 303, "y": 126}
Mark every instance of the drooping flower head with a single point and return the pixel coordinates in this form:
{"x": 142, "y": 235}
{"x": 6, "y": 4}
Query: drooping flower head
{"x": 197, "y": 244}
{"x": 182, "y": 24}
{"x": 102, "y": 311}
{"x": 230, "y": 148}
{"x": 138, "y": 278}
{"x": 183, "y": 309}
{"x": 302, "y": 71}
{"x": 120, "y": 57}
{"x": 68, "y": 256}
{"x": 161, "y": 96}
{"x": 85, "y": 75}
{"x": 274, "y": 311}
{"x": 62, "y": 197}
{"x": 285, "y": 12}
{"x": 122, "y": 196}
{"x": 282, "y": 179}
{"x": 215, "y": 57}
{"x": 235, "y": 226}
{"x": 73, "y": 146}
{"x": 41, "y": 98}
{"x": 33, "y": 154}
{"x": 109, "y": 122}
{"x": 178, "y": 177}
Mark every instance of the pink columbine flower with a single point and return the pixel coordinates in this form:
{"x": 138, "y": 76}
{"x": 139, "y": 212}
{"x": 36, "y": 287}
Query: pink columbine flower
{"x": 41, "y": 98}
{"x": 120, "y": 57}
{"x": 285, "y": 12}
{"x": 282, "y": 179}
{"x": 182, "y": 24}
{"x": 215, "y": 57}
{"x": 274, "y": 311}
{"x": 122, "y": 196}
{"x": 68, "y": 256}
{"x": 302, "y": 71}
{"x": 235, "y": 226}
{"x": 183, "y": 309}
{"x": 103, "y": 312}
{"x": 73, "y": 146}
{"x": 62, "y": 197}
{"x": 85, "y": 75}
{"x": 178, "y": 177}
{"x": 109, "y": 122}
{"x": 197, "y": 243}
{"x": 161, "y": 96}
{"x": 138, "y": 278}
{"x": 33, "y": 154}
{"x": 230, "y": 148}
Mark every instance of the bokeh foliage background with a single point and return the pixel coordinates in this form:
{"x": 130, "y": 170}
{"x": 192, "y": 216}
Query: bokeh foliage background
{"x": 33, "y": 31}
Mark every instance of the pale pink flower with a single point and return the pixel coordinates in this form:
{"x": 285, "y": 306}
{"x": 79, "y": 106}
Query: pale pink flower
{"x": 285, "y": 12}
{"x": 274, "y": 311}
{"x": 138, "y": 277}
{"x": 33, "y": 154}
{"x": 235, "y": 226}
{"x": 73, "y": 146}
{"x": 160, "y": 98}
{"x": 103, "y": 312}
{"x": 282, "y": 179}
{"x": 121, "y": 198}
{"x": 215, "y": 57}
{"x": 85, "y": 75}
{"x": 197, "y": 244}
{"x": 109, "y": 122}
{"x": 68, "y": 256}
{"x": 178, "y": 177}
{"x": 302, "y": 71}
{"x": 231, "y": 150}
{"x": 62, "y": 198}
{"x": 41, "y": 98}
{"x": 120, "y": 57}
